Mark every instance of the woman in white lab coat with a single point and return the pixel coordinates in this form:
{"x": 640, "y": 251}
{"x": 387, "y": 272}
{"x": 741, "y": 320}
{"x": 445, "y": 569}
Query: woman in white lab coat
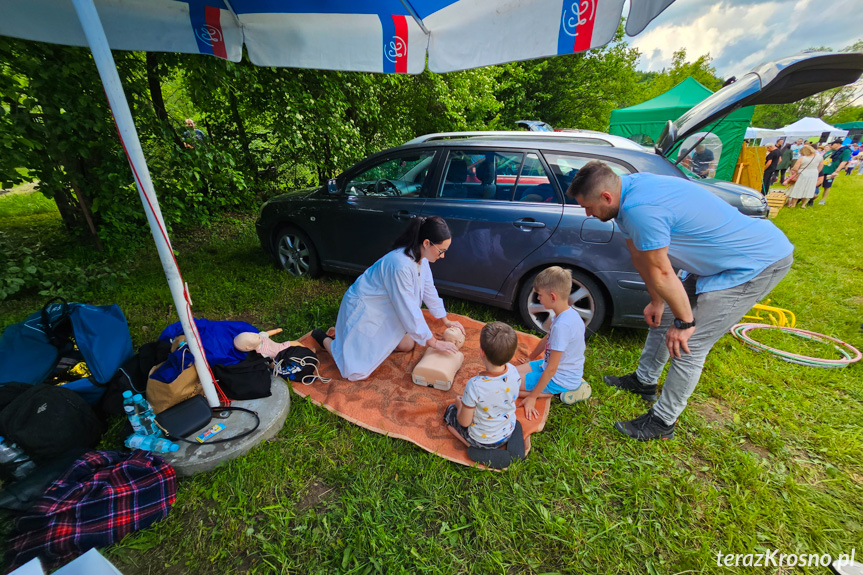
{"x": 381, "y": 312}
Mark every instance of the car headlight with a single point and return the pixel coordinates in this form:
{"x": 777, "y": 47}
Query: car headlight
{"x": 751, "y": 202}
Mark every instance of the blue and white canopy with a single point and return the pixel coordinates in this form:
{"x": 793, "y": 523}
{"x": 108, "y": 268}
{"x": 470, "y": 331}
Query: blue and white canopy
{"x": 393, "y": 36}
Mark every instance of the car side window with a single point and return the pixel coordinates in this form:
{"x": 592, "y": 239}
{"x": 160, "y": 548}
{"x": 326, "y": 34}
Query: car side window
{"x": 480, "y": 175}
{"x": 565, "y": 166}
{"x": 533, "y": 184}
{"x": 401, "y": 176}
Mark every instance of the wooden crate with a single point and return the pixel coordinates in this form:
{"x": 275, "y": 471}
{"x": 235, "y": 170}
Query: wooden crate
{"x": 775, "y": 200}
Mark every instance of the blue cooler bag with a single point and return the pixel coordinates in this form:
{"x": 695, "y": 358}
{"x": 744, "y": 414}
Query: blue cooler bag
{"x": 31, "y": 350}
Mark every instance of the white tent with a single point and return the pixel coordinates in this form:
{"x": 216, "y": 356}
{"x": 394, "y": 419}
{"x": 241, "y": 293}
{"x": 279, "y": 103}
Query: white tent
{"x": 812, "y": 128}
{"x": 764, "y": 135}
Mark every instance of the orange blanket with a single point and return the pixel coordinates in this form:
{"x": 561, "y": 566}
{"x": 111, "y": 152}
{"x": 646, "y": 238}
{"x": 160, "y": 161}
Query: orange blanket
{"x": 389, "y": 403}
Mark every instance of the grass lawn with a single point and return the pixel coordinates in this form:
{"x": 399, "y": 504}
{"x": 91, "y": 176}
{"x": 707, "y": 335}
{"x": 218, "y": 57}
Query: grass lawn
{"x": 767, "y": 455}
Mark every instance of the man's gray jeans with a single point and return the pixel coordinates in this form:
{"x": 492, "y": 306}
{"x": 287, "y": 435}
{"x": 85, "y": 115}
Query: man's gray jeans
{"x": 715, "y": 313}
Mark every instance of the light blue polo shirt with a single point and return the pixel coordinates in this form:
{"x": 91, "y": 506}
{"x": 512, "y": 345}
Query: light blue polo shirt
{"x": 704, "y": 235}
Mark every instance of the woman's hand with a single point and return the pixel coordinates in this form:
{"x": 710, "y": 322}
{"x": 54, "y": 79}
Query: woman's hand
{"x": 450, "y": 323}
{"x": 444, "y": 346}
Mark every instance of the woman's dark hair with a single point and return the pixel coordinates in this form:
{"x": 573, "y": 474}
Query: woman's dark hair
{"x": 433, "y": 229}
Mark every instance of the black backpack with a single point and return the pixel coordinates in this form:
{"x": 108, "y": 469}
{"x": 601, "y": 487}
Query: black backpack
{"x": 249, "y": 379}
{"x": 298, "y": 363}
{"x": 47, "y": 421}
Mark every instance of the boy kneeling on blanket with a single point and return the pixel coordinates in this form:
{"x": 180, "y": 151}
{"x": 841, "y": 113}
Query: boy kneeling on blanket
{"x": 484, "y": 417}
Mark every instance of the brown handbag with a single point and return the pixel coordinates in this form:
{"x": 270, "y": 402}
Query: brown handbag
{"x": 163, "y": 395}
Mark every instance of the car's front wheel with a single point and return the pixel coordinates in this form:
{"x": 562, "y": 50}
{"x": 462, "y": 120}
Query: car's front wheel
{"x": 296, "y": 253}
{"x": 586, "y": 297}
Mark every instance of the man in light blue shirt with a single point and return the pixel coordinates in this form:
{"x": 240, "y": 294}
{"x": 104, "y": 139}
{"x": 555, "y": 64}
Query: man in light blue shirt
{"x": 729, "y": 262}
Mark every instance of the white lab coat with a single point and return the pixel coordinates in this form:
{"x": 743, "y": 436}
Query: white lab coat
{"x": 378, "y": 310}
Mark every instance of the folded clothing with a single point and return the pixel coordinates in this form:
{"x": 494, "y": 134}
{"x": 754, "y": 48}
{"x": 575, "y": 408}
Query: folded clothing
{"x": 103, "y": 497}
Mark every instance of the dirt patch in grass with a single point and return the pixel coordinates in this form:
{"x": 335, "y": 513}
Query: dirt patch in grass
{"x": 756, "y": 449}
{"x": 714, "y": 411}
{"x": 316, "y": 496}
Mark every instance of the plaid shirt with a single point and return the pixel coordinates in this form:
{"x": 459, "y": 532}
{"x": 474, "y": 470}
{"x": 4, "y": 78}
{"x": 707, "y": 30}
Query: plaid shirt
{"x": 104, "y": 496}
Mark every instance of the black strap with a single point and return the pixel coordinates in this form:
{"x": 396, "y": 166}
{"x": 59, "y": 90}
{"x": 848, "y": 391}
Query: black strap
{"x": 218, "y": 409}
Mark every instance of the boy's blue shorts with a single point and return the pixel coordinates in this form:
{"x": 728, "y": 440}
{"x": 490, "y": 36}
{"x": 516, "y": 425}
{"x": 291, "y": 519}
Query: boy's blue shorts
{"x": 532, "y": 378}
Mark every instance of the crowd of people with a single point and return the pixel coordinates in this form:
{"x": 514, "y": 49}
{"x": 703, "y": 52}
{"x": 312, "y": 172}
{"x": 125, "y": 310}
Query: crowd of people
{"x": 808, "y": 170}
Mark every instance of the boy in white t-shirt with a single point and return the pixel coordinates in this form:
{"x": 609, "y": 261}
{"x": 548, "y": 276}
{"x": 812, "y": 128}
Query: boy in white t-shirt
{"x": 559, "y": 372}
{"x": 485, "y": 415}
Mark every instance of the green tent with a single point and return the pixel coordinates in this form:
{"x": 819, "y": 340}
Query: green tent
{"x": 649, "y": 118}
{"x": 850, "y": 126}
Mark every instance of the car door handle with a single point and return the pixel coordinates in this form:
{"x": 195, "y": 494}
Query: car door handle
{"x": 403, "y": 215}
{"x": 528, "y": 223}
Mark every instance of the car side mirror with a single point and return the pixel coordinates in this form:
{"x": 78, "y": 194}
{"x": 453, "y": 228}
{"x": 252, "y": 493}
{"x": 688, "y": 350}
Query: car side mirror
{"x": 332, "y": 188}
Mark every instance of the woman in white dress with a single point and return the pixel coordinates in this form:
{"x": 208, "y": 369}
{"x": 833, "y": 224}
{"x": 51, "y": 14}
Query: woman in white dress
{"x": 808, "y": 165}
{"x": 382, "y": 311}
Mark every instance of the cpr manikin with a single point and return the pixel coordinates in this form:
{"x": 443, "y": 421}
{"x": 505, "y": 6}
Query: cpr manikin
{"x": 437, "y": 368}
{"x": 261, "y": 342}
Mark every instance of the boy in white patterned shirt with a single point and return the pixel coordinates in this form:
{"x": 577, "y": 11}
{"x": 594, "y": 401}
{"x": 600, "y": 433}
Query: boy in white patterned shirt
{"x": 485, "y": 415}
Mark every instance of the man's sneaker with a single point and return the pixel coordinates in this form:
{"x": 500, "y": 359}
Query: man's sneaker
{"x": 821, "y": 203}
{"x": 576, "y": 395}
{"x": 630, "y": 383}
{"x": 646, "y": 427}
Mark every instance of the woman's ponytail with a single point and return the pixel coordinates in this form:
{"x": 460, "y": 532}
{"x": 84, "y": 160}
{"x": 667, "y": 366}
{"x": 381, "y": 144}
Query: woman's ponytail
{"x": 420, "y": 229}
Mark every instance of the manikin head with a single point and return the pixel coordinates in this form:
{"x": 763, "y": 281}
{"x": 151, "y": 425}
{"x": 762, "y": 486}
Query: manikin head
{"x": 454, "y": 336}
{"x": 247, "y": 341}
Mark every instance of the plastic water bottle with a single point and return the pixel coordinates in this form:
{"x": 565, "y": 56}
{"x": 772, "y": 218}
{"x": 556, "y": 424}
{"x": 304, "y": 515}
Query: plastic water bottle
{"x": 150, "y": 443}
{"x": 15, "y": 460}
{"x": 129, "y": 408}
{"x": 145, "y": 412}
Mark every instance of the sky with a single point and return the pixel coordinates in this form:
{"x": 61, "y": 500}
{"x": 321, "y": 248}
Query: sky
{"x": 739, "y": 34}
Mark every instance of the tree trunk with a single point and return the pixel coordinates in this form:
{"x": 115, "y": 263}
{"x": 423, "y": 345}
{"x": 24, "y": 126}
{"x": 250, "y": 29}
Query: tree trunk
{"x": 84, "y": 202}
{"x": 154, "y": 81}
{"x": 66, "y": 207}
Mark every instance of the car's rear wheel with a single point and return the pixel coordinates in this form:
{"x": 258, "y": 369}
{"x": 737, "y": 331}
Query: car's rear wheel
{"x": 586, "y": 297}
{"x": 296, "y": 253}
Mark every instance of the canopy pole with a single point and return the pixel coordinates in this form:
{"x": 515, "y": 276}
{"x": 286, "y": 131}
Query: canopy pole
{"x": 89, "y": 18}
{"x": 417, "y": 19}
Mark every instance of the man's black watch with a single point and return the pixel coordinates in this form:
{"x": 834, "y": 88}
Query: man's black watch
{"x": 680, "y": 324}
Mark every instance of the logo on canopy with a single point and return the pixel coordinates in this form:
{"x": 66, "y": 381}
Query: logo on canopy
{"x": 576, "y": 26}
{"x": 209, "y": 35}
{"x": 577, "y": 16}
{"x": 394, "y": 29}
{"x": 207, "y": 26}
{"x": 397, "y": 48}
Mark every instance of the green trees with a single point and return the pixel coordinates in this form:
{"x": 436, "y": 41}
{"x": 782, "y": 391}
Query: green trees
{"x": 268, "y": 129}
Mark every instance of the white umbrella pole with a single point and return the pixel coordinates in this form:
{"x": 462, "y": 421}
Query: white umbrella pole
{"x": 92, "y": 26}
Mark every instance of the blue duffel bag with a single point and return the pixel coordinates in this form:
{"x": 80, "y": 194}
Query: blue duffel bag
{"x": 31, "y": 350}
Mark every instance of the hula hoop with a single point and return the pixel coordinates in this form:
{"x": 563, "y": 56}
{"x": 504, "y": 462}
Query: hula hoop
{"x": 849, "y": 353}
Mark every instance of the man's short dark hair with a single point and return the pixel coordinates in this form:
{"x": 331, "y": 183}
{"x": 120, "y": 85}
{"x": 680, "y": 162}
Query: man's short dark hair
{"x": 591, "y": 180}
{"x": 837, "y": 141}
{"x": 498, "y": 342}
